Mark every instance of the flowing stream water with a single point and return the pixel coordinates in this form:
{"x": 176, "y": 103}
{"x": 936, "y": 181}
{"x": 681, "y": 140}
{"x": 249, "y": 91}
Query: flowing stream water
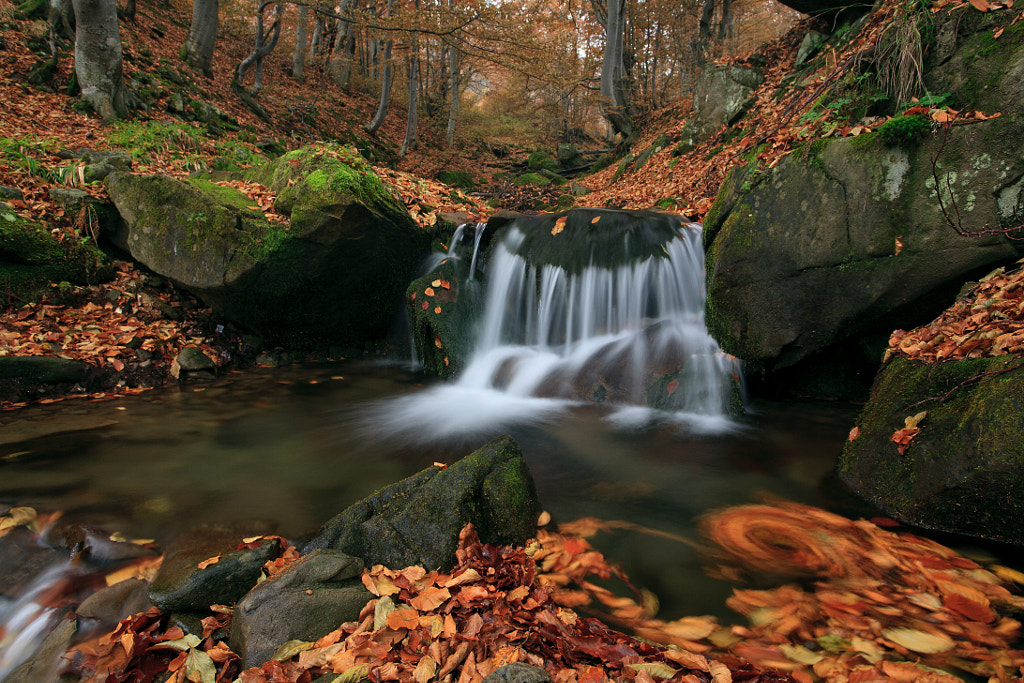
{"x": 297, "y": 445}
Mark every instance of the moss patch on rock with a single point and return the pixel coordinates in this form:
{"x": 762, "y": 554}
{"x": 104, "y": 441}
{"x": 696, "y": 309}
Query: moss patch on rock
{"x": 964, "y": 471}
{"x": 31, "y": 258}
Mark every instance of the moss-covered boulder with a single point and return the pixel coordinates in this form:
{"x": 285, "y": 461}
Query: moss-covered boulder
{"x": 417, "y": 521}
{"x": 31, "y": 258}
{"x": 831, "y": 240}
{"x": 333, "y": 273}
{"x": 964, "y": 470}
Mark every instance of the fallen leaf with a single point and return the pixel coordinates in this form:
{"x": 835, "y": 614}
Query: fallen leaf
{"x": 206, "y": 563}
{"x": 918, "y": 641}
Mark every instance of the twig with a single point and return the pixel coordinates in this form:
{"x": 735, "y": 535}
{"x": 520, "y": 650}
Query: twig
{"x": 958, "y": 224}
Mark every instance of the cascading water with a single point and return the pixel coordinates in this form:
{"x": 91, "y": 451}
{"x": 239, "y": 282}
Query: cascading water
{"x": 594, "y": 306}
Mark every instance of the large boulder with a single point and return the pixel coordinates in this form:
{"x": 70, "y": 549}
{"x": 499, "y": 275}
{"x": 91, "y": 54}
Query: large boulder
{"x": 417, "y": 521}
{"x": 975, "y": 65}
{"x": 721, "y": 96}
{"x": 962, "y": 471}
{"x": 334, "y": 272}
{"x": 834, "y": 238}
{"x": 307, "y": 600}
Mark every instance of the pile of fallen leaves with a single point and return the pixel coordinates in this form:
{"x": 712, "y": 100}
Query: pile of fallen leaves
{"x": 872, "y": 605}
{"x": 461, "y": 625}
{"x": 988, "y": 321}
{"x": 426, "y": 198}
{"x": 115, "y": 322}
{"x": 881, "y": 606}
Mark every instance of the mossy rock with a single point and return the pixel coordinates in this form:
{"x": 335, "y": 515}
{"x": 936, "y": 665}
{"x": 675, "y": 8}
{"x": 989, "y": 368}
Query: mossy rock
{"x": 541, "y": 161}
{"x": 460, "y": 179}
{"x": 964, "y": 471}
{"x": 417, "y": 521}
{"x": 333, "y": 274}
{"x": 31, "y": 258}
{"x": 533, "y": 179}
{"x": 577, "y": 238}
{"x": 833, "y": 240}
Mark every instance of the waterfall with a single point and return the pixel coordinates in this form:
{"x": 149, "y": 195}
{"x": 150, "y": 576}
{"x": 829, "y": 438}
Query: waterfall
{"x": 589, "y": 306}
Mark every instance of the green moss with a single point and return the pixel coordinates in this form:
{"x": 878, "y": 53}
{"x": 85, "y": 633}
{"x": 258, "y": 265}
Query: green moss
{"x": 962, "y": 472}
{"x": 31, "y": 259}
{"x": 904, "y": 130}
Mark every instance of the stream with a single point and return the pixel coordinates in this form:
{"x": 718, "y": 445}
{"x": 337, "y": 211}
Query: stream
{"x": 299, "y": 444}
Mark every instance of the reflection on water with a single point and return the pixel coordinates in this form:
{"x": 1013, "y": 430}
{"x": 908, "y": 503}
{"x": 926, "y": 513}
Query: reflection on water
{"x": 297, "y": 445}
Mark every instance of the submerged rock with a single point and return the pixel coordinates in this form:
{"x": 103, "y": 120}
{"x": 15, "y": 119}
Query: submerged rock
{"x": 963, "y": 471}
{"x": 417, "y": 521}
{"x": 309, "y": 599}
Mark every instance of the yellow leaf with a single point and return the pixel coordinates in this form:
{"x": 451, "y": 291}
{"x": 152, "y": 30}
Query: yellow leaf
{"x": 921, "y": 642}
{"x": 290, "y": 649}
{"x": 913, "y": 422}
{"x": 435, "y": 283}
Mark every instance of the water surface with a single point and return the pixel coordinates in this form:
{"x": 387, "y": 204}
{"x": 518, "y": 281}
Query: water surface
{"x": 299, "y": 444}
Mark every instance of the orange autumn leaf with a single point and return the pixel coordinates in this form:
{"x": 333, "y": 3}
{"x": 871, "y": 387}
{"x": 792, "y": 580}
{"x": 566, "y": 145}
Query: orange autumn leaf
{"x": 854, "y": 433}
{"x": 429, "y": 291}
{"x": 559, "y": 225}
{"x": 206, "y": 563}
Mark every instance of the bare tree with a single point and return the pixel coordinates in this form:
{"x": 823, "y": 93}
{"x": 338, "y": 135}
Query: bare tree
{"x": 299, "y": 56}
{"x": 413, "y": 88}
{"x": 265, "y": 43}
{"x": 454, "y": 94}
{"x": 614, "y": 81}
{"x": 387, "y": 77}
{"x": 197, "y": 50}
{"x": 98, "y": 64}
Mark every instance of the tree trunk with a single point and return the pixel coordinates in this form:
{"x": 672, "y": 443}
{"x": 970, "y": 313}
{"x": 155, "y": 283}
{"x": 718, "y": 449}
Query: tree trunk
{"x": 414, "y": 78}
{"x": 725, "y": 27}
{"x": 299, "y": 56}
{"x": 197, "y": 51}
{"x": 265, "y": 43}
{"x": 340, "y": 67}
{"x": 129, "y": 10}
{"x": 385, "y": 92}
{"x": 98, "y": 65}
{"x": 61, "y": 21}
{"x": 613, "y": 73}
{"x": 318, "y": 37}
{"x": 453, "y": 93}
{"x": 387, "y": 77}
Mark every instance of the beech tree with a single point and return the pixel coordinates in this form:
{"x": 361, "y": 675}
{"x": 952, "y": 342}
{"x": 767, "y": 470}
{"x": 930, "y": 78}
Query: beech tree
{"x": 299, "y": 56}
{"x": 614, "y": 80}
{"x": 197, "y": 50}
{"x": 98, "y": 64}
{"x": 265, "y": 43}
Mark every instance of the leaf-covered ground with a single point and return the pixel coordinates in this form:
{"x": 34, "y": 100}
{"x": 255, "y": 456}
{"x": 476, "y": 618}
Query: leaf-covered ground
{"x": 850, "y": 602}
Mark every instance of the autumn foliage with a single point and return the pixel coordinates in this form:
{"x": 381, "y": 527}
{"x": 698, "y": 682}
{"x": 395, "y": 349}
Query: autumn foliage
{"x": 854, "y": 603}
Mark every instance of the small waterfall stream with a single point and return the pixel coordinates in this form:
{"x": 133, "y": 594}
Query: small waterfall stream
{"x": 590, "y": 306}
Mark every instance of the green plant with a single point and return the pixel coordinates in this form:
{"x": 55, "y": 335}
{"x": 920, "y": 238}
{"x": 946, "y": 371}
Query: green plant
{"x": 901, "y": 130}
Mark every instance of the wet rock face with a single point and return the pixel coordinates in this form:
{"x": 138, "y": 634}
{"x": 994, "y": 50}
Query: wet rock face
{"x": 817, "y": 249}
{"x": 417, "y": 520}
{"x": 309, "y": 599}
{"x": 181, "y": 585}
{"x": 962, "y": 471}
